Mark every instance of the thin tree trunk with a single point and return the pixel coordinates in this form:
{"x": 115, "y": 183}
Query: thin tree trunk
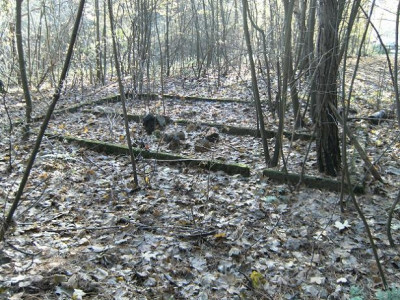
{"x": 308, "y": 49}
{"x": 298, "y": 121}
{"x": 104, "y": 42}
{"x": 49, "y": 52}
{"x": 256, "y": 93}
{"x": 38, "y": 45}
{"x": 300, "y": 14}
{"x": 99, "y": 71}
{"x": 198, "y": 39}
{"x": 22, "y": 69}
{"x": 288, "y": 5}
{"x": 8, "y": 220}
{"x": 266, "y": 61}
{"x": 161, "y": 66}
{"x": 223, "y": 39}
{"x": 167, "y": 56}
{"x": 396, "y": 66}
{"x": 28, "y": 40}
{"x": 122, "y": 93}
{"x": 209, "y": 47}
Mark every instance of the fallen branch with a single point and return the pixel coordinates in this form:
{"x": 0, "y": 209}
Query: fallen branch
{"x": 311, "y": 181}
{"x": 110, "y": 148}
{"x": 197, "y": 235}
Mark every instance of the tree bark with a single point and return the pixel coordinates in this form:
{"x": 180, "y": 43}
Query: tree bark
{"x": 256, "y": 93}
{"x": 198, "y": 39}
{"x": 396, "y": 66}
{"x": 328, "y": 151}
{"x": 104, "y": 42}
{"x": 122, "y": 93}
{"x": 167, "y": 52}
{"x": 99, "y": 71}
{"x": 266, "y": 61}
{"x": 288, "y": 6}
{"x": 22, "y": 69}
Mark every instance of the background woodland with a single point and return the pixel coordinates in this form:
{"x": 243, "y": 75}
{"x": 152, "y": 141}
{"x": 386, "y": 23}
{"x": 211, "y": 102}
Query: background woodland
{"x": 262, "y": 156}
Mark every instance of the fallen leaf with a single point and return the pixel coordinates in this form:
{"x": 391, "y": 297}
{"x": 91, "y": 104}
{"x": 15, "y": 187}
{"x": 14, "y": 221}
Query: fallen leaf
{"x": 257, "y": 279}
{"x": 342, "y": 226}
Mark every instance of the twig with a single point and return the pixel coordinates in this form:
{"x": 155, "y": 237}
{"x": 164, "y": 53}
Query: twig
{"x": 21, "y": 251}
{"x": 389, "y": 222}
{"x": 197, "y": 235}
{"x": 83, "y": 228}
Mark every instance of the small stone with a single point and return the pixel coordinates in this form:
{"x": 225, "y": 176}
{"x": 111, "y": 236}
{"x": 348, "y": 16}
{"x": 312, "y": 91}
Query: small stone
{"x": 212, "y": 135}
{"x": 191, "y": 127}
{"x": 293, "y": 244}
{"x": 234, "y": 251}
{"x": 167, "y": 138}
{"x": 174, "y": 143}
{"x": 150, "y": 282}
{"x": 161, "y": 121}
{"x": 181, "y": 135}
{"x": 202, "y": 145}
{"x": 157, "y": 133}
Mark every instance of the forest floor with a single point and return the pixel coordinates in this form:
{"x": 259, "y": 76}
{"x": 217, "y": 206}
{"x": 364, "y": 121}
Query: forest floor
{"x": 84, "y": 232}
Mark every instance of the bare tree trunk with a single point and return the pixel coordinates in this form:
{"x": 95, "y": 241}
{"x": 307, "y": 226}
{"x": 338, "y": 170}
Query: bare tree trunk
{"x": 99, "y": 71}
{"x": 199, "y": 60}
{"x": 28, "y": 40}
{"x": 161, "y": 66}
{"x": 49, "y": 52}
{"x": 122, "y": 93}
{"x": 167, "y": 56}
{"x": 299, "y": 12}
{"x": 272, "y": 25}
{"x": 223, "y": 45}
{"x": 308, "y": 49}
{"x": 22, "y": 69}
{"x": 288, "y": 5}
{"x": 396, "y": 66}
{"x": 7, "y": 222}
{"x": 294, "y": 94}
{"x": 256, "y": 93}
{"x": 104, "y": 43}
{"x": 37, "y": 53}
{"x": 328, "y": 151}
{"x": 209, "y": 40}
{"x": 266, "y": 61}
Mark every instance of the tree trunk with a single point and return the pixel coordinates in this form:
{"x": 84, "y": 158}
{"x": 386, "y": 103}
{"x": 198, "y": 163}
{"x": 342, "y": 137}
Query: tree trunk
{"x": 99, "y": 71}
{"x": 167, "y": 57}
{"x": 266, "y": 61}
{"x": 224, "y": 24}
{"x": 122, "y": 93}
{"x": 104, "y": 43}
{"x": 22, "y": 69}
{"x": 328, "y": 151}
{"x": 7, "y": 222}
{"x": 396, "y": 66}
{"x": 256, "y": 93}
{"x": 287, "y": 60}
{"x": 308, "y": 49}
{"x": 28, "y": 41}
{"x": 198, "y": 39}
